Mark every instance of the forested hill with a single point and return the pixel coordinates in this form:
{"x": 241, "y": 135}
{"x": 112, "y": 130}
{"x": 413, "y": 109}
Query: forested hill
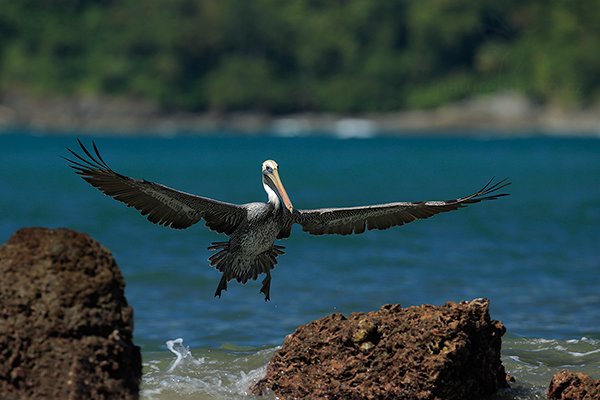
{"x": 299, "y": 55}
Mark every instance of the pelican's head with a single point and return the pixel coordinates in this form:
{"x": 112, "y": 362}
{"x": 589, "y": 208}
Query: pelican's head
{"x": 273, "y": 185}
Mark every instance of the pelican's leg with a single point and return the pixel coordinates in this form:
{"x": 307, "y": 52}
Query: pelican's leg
{"x": 266, "y": 286}
{"x": 222, "y": 286}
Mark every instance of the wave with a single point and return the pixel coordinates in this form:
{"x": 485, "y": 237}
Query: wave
{"x": 217, "y": 374}
{"x": 228, "y": 375}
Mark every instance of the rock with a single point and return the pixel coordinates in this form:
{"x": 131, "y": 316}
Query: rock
{"x": 65, "y": 325}
{"x": 424, "y": 352}
{"x": 567, "y": 385}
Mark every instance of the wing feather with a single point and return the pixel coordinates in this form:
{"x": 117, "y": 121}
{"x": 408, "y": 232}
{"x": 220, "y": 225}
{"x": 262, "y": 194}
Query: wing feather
{"x": 349, "y": 220}
{"x": 161, "y": 204}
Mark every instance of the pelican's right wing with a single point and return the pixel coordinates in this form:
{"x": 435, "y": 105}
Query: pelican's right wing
{"x": 162, "y": 205}
{"x": 349, "y": 220}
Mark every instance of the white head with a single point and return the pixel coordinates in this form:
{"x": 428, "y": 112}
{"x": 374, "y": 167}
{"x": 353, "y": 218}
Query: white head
{"x": 273, "y": 185}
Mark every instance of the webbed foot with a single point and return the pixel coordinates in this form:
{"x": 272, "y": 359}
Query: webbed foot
{"x": 222, "y": 286}
{"x": 266, "y": 287}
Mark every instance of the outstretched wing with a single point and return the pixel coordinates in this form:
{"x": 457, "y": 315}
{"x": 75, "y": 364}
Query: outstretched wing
{"x": 349, "y": 220}
{"x": 162, "y": 205}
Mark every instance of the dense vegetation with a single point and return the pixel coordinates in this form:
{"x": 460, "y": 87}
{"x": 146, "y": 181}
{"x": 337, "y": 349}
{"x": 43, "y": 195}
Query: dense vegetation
{"x": 302, "y": 55}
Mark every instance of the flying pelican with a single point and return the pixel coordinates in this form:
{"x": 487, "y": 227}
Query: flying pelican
{"x": 253, "y": 228}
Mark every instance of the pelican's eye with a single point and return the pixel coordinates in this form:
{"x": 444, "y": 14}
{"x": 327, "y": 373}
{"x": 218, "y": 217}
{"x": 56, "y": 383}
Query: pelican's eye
{"x": 269, "y": 169}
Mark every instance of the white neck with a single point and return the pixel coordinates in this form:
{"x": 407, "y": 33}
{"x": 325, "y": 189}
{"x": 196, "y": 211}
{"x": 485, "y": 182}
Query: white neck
{"x": 273, "y": 198}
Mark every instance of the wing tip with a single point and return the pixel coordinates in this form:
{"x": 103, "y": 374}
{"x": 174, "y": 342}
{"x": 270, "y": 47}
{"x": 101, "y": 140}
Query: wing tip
{"x": 488, "y": 192}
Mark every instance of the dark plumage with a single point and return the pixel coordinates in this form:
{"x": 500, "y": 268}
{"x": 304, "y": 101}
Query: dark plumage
{"x": 254, "y": 227}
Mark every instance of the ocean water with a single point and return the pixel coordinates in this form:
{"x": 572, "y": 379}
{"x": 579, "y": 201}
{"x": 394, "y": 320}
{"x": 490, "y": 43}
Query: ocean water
{"x": 534, "y": 254}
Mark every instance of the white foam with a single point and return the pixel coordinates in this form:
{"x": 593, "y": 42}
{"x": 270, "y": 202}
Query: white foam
{"x": 588, "y": 353}
{"x": 176, "y": 347}
{"x": 225, "y": 376}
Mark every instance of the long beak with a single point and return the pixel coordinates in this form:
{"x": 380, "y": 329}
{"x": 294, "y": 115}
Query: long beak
{"x": 286, "y": 200}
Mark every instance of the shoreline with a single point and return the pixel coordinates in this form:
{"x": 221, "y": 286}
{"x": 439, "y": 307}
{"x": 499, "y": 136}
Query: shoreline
{"x": 503, "y": 114}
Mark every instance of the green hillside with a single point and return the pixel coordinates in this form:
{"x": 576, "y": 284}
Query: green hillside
{"x": 289, "y": 56}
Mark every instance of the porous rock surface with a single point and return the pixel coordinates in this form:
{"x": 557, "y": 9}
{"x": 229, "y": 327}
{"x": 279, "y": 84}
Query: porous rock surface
{"x": 423, "y": 352}
{"x": 567, "y": 385}
{"x": 65, "y": 325}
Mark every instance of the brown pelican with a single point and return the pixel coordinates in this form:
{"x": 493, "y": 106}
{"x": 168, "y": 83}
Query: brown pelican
{"x": 254, "y": 227}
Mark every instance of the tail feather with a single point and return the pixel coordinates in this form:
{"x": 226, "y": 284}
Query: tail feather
{"x": 218, "y": 245}
{"x": 241, "y": 270}
{"x": 277, "y": 249}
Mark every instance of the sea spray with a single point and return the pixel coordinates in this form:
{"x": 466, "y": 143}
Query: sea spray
{"x": 217, "y": 374}
{"x": 182, "y": 352}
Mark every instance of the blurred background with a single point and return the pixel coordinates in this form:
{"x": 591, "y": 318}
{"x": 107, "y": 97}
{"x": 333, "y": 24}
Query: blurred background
{"x": 360, "y": 102}
{"x": 126, "y": 65}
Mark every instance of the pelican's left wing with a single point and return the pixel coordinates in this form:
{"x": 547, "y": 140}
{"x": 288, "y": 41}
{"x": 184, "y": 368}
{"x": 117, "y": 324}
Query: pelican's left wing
{"x": 162, "y": 205}
{"x": 349, "y": 220}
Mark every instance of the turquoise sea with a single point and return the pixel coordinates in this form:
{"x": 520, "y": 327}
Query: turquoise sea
{"x": 534, "y": 254}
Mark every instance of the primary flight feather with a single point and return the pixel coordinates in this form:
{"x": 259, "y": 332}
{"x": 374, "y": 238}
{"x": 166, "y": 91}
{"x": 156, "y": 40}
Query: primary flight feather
{"x": 253, "y": 228}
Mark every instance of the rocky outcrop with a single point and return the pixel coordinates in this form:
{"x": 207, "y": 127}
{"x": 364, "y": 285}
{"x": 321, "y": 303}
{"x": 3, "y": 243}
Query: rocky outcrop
{"x": 425, "y": 352}
{"x": 567, "y": 385}
{"x": 65, "y": 325}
